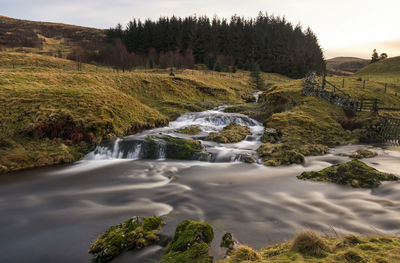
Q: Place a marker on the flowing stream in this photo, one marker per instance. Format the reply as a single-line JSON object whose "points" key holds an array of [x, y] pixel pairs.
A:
{"points": [[53, 214]]}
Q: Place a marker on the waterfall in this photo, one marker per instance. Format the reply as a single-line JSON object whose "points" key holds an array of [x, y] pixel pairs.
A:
{"points": [[139, 146]]}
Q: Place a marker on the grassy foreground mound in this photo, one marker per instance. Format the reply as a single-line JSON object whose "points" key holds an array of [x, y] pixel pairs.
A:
{"points": [[311, 248], [354, 173], [231, 133], [56, 114], [190, 243], [133, 234]]}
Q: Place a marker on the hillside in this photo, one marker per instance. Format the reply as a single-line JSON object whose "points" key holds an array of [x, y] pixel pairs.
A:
{"points": [[384, 71], [344, 66], [389, 65], [45, 38], [51, 113]]}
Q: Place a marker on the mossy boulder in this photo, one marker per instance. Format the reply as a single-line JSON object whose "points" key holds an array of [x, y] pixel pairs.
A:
{"points": [[313, 149], [190, 130], [133, 234], [190, 243], [230, 134], [270, 135], [354, 173], [364, 153], [227, 241], [279, 154], [175, 148], [183, 149]]}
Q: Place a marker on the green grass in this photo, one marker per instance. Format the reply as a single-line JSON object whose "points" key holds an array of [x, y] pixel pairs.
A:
{"points": [[311, 248], [51, 112]]}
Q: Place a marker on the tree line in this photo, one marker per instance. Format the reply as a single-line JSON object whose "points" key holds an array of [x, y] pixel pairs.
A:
{"points": [[271, 42]]}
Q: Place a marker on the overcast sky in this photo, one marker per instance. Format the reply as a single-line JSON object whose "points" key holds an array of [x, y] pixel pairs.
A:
{"points": [[344, 27]]}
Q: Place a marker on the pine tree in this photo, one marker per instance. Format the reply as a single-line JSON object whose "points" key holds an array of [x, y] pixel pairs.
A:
{"points": [[255, 77]]}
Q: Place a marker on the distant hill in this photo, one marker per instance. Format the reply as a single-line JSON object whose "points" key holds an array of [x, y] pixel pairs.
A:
{"points": [[345, 66], [386, 66], [47, 38]]}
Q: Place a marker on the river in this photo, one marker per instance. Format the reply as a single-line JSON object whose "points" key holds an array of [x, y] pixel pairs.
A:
{"points": [[53, 214]]}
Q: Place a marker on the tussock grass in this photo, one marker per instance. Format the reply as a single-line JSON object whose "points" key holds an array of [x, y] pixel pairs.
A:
{"points": [[309, 247]]}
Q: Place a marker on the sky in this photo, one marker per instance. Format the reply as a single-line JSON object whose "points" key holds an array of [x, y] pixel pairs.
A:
{"points": [[344, 27]]}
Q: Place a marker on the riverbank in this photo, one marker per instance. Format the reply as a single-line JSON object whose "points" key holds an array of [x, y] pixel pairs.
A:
{"points": [[52, 113]]}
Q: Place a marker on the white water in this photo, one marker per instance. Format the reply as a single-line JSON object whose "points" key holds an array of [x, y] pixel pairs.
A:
{"points": [[132, 147]]}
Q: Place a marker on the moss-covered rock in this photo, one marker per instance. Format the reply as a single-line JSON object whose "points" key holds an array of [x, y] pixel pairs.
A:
{"points": [[364, 153], [249, 159], [270, 135], [354, 173], [279, 154], [230, 134], [190, 243], [174, 147], [134, 233], [227, 241], [183, 149], [190, 130], [313, 149]]}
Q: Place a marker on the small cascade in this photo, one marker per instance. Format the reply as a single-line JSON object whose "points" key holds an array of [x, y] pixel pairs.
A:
{"points": [[135, 154], [257, 95], [161, 151], [139, 146]]}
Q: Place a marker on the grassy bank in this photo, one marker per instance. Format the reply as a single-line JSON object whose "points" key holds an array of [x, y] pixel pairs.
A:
{"points": [[308, 124], [51, 113], [310, 247]]}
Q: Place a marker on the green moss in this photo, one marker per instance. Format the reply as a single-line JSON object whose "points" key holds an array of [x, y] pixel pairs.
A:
{"points": [[354, 173], [134, 233], [364, 153], [227, 241], [279, 154], [249, 159], [190, 243], [191, 130], [179, 148], [270, 136], [313, 149], [230, 134]]}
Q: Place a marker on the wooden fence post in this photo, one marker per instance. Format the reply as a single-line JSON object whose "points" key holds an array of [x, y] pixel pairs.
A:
{"points": [[343, 84], [385, 87], [363, 84]]}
